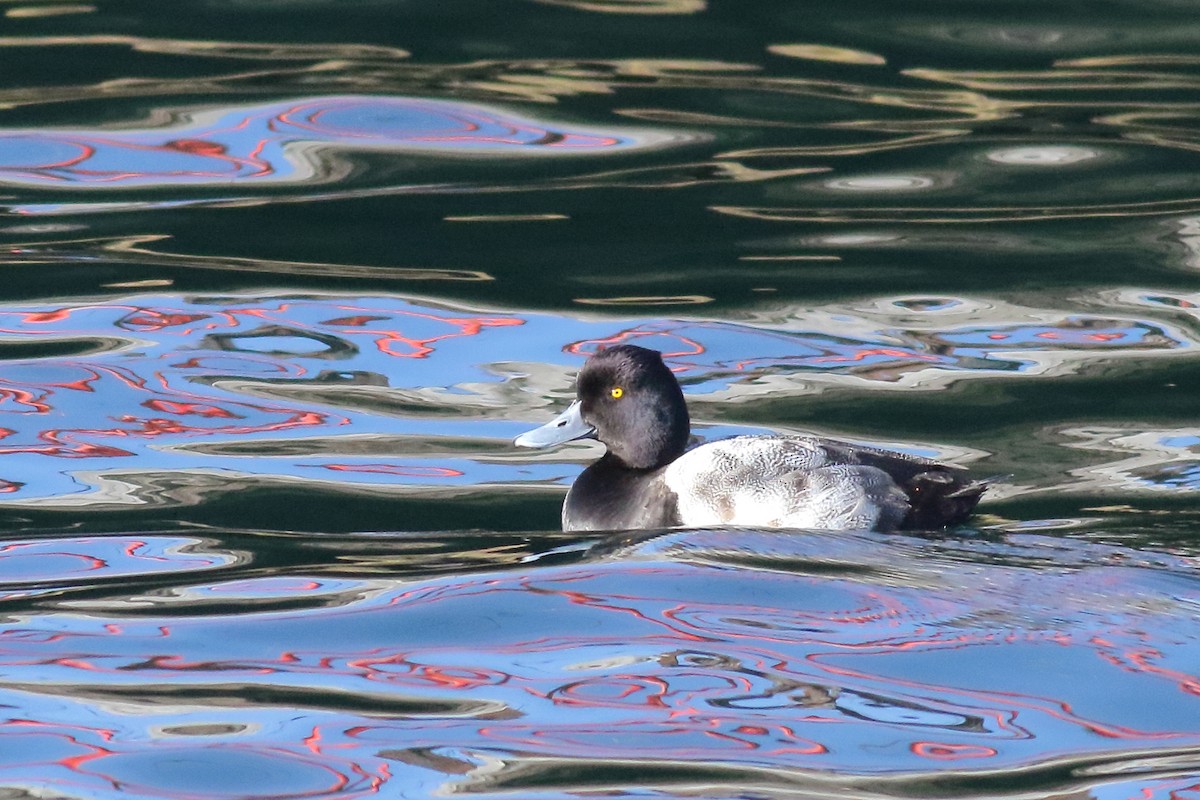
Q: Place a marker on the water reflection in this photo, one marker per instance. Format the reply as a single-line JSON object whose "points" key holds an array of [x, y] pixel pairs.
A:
{"points": [[731, 655], [146, 250], [1039, 156], [288, 142], [882, 183], [1163, 460], [944, 230], [190, 396], [90, 560], [849, 113], [638, 7], [55, 10], [819, 52]]}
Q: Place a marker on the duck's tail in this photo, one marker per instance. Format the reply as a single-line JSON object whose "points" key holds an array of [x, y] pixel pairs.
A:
{"points": [[940, 498]]}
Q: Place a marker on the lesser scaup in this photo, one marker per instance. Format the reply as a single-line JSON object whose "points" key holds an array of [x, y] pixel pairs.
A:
{"points": [[629, 400]]}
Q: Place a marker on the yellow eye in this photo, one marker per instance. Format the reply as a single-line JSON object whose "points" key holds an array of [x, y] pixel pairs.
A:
{"points": [[617, 393]]}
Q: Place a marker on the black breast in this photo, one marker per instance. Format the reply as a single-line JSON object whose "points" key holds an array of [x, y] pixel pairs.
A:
{"points": [[608, 496]]}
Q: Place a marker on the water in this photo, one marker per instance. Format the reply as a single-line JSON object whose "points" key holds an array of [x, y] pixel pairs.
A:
{"points": [[283, 280]]}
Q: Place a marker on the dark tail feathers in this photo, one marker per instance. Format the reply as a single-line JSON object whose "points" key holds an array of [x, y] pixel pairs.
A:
{"points": [[940, 498]]}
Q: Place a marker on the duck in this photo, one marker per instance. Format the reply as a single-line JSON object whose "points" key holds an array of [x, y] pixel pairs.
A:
{"points": [[648, 478]]}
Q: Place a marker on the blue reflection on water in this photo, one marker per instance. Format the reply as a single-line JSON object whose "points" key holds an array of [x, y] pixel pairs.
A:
{"points": [[282, 142], [285, 386], [851, 655]]}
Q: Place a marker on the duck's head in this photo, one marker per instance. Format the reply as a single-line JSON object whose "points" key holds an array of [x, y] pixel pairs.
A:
{"points": [[628, 399]]}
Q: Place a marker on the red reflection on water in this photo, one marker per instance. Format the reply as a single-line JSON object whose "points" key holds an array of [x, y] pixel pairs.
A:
{"points": [[273, 142], [261, 370], [942, 751], [36, 402], [465, 123], [405, 470], [685, 345], [407, 669], [176, 663], [779, 739], [1002, 707], [388, 340], [593, 662], [61, 446], [616, 691], [1012, 703], [1136, 659], [39, 550], [636, 738], [44, 317], [184, 412], [873, 352], [677, 348], [358, 321], [83, 561], [151, 321], [200, 409], [68, 737], [147, 320], [612, 603], [134, 546], [67, 443]]}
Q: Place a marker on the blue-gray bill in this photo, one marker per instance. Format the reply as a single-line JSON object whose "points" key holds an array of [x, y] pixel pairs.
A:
{"points": [[567, 426]]}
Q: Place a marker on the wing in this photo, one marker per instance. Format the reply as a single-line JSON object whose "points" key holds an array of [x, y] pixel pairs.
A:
{"points": [[938, 494], [783, 482]]}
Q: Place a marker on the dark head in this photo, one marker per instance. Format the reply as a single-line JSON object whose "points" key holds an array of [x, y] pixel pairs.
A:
{"points": [[630, 401], [635, 404]]}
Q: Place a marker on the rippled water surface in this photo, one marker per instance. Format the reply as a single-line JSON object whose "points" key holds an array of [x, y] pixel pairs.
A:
{"points": [[282, 280]]}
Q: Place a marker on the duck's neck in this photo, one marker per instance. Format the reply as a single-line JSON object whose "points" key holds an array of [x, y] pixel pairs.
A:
{"points": [[610, 462]]}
